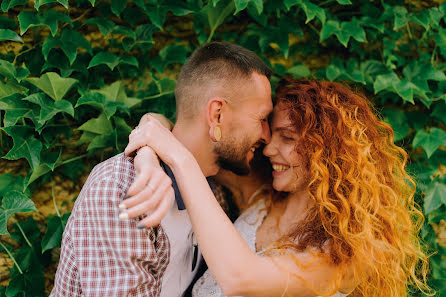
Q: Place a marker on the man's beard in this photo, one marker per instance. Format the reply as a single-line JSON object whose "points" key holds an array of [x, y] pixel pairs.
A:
{"points": [[232, 155]]}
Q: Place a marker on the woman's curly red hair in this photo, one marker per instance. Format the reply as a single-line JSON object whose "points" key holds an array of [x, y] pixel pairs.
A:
{"points": [[365, 216]]}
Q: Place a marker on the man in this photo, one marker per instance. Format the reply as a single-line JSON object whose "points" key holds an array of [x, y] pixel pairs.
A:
{"points": [[223, 100]]}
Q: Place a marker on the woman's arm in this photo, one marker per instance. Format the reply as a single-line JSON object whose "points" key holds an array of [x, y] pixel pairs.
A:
{"points": [[151, 185], [236, 268]]}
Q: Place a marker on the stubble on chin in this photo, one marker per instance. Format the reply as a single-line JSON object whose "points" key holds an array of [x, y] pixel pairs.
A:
{"points": [[232, 156]]}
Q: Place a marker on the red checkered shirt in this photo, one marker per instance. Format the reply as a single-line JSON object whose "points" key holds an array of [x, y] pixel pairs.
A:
{"points": [[102, 255]]}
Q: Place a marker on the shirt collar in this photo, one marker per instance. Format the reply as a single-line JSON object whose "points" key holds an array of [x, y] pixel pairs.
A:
{"points": [[178, 198]]}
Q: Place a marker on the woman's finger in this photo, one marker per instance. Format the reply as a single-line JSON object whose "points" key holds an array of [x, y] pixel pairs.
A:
{"points": [[135, 142], [143, 176], [164, 206], [151, 205], [157, 181]]}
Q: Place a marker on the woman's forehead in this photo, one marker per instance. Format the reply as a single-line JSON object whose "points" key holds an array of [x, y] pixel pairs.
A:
{"points": [[280, 117]]}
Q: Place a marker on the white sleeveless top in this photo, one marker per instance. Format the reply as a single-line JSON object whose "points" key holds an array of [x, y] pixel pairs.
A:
{"points": [[247, 225]]}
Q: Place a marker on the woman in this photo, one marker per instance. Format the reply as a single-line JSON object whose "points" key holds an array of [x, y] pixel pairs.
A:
{"points": [[342, 219]]}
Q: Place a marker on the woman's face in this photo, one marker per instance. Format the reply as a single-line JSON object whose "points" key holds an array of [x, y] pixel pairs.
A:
{"points": [[290, 172]]}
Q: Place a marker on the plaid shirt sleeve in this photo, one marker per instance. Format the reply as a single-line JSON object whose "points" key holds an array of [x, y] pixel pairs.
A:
{"points": [[102, 255]]}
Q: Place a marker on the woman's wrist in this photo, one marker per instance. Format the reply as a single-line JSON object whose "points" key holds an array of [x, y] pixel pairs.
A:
{"points": [[183, 160]]}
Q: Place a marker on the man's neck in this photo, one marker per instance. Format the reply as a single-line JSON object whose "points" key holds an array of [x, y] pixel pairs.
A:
{"points": [[194, 137], [242, 187]]}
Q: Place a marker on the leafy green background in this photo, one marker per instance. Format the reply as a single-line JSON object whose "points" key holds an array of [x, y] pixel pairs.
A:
{"points": [[76, 75]]}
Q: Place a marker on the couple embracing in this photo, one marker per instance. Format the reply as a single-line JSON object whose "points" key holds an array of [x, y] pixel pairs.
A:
{"points": [[336, 217]]}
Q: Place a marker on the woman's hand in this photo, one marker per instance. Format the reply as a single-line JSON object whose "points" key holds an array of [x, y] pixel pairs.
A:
{"points": [[151, 192], [154, 134]]}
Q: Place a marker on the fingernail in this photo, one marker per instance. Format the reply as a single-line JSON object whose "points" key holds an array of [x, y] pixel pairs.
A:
{"points": [[140, 226], [122, 206], [123, 216]]}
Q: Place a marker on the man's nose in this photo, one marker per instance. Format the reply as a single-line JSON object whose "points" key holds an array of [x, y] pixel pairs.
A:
{"points": [[266, 133]]}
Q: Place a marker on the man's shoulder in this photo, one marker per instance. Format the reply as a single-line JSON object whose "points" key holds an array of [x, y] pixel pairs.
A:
{"points": [[108, 181], [118, 168]]}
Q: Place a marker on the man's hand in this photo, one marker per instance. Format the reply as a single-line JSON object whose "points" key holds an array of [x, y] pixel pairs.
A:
{"points": [[151, 192]]}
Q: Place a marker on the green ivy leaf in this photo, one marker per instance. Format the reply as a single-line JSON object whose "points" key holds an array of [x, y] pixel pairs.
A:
{"points": [[435, 197], [329, 28], [99, 101], [54, 230], [21, 73], [12, 203], [439, 112], [111, 60], [215, 15], [53, 85], [117, 6], [7, 69], [99, 125], [48, 162], [343, 31], [417, 71], [399, 122], [404, 88], [182, 8], [70, 41], [421, 18], [16, 109], [337, 71], [116, 93], [370, 69], [6, 34], [107, 58], [105, 25], [430, 141], [242, 4], [8, 4], [9, 182], [92, 2], [142, 37], [299, 71], [344, 2], [400, 17], [9, 88], [104, 141], [170, 54], [49, 18], [157, 15], [49, 108], [142, 33], [25, 145], [311, 11], [440, 41], [435, 16], [39, 3], [353, 29]]}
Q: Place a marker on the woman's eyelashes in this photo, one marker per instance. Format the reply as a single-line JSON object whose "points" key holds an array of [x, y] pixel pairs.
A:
{"points": [[287, 138]]}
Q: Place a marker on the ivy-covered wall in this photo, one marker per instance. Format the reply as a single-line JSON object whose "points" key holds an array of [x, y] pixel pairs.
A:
{"points": [[76, 75]]}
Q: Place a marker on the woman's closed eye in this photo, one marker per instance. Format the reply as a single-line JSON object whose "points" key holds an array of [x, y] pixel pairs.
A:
{"points": [[287, 138]]}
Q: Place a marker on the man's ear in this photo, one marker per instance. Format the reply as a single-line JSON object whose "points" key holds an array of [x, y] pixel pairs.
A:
{"points": [[214, 117]]}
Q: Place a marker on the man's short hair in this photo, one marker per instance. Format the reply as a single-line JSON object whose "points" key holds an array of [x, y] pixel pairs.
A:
{"points": [[214, 69]]}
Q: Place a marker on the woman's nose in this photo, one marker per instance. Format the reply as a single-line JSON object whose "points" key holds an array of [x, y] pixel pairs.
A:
{"points": [[269, 149]]}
